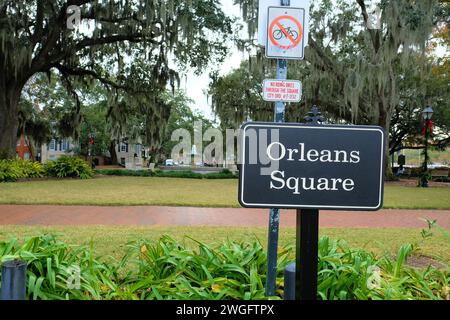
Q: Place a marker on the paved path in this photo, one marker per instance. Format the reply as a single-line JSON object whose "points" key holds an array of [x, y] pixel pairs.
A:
{"points": [[181, 216]]}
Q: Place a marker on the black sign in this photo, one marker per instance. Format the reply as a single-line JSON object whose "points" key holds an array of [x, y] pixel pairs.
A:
{"points": [[312, 166]]}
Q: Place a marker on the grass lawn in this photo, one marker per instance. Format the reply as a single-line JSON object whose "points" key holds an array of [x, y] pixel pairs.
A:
{"points": [[123, 191], [111, 241]]}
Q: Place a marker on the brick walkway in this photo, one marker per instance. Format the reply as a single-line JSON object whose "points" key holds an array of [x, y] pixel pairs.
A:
{"points": [[181, 216]]}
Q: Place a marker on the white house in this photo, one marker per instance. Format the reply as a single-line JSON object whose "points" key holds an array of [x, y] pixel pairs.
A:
{"points": [[130, 155], [56, 148]]}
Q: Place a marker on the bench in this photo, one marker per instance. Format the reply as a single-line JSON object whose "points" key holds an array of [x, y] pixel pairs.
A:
{"points": [[440, 173]]}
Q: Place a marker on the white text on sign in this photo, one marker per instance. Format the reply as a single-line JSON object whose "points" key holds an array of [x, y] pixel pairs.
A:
{"points": [[282, 90]]}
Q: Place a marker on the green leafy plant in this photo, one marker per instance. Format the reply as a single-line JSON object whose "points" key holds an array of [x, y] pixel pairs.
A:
{"points": [[9, 172], [12, 170], [69, 167], [167, 269], [31, 169]]}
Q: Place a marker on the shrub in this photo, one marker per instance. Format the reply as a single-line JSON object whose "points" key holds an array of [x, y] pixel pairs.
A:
{"points": [[31, 169], [69, 167], [126, 173], [167, 269], [12, 170]]}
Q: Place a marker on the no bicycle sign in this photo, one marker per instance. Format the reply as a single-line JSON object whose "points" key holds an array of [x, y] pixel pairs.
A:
{"points": [[286, 33]]}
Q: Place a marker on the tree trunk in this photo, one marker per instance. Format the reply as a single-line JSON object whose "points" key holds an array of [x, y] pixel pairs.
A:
{"points": [[112, 151], [9, 122], [31, 148], [384, 121]]}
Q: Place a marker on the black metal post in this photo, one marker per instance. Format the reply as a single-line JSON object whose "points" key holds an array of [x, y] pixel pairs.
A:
{"points": [[424, 178], [307, 240], [289, 282], [14, 280], [307, 254]]}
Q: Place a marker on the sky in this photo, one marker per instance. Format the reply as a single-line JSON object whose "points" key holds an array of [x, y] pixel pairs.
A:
{"points": [[195, 86]]}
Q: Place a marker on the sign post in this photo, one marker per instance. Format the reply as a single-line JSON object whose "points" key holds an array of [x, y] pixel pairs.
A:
{"points": [[307, 241], [274, 215]]}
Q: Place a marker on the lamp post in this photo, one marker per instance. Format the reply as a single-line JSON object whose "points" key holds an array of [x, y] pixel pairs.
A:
{"points": [[427, 114]]}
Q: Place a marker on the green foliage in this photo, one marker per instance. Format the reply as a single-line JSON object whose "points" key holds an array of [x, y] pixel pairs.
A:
{"points": [[68, 167], [94, 124], [9, 172], [51, 263], [166, 269], [224, 174], [31, 169], [12, 170]]}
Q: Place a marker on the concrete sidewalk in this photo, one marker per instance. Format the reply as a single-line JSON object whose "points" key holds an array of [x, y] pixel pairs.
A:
{"points": [[186, 216]]}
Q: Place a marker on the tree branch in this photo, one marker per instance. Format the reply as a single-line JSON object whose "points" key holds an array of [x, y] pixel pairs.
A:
{"points": [[39, 23], [373, 33], [84, 72], [80, 72]]}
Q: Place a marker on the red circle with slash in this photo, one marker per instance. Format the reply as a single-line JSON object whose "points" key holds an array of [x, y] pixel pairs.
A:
{"points": [[277, 23]]}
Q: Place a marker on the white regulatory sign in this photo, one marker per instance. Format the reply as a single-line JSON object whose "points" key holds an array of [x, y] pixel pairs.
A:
{"points": [[285, 38], [282, 90]]}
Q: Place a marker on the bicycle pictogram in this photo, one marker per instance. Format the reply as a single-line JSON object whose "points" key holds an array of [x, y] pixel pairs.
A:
{"points": [[283, 32]]}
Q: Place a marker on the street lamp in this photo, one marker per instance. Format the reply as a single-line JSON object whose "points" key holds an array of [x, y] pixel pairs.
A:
{"points": [[427, 114]]}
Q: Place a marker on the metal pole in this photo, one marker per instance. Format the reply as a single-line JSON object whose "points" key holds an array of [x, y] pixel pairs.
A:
{"points": [[274, 215], [301, 283], [423, 180], [289, 282], [14, 279], [307, 254]]}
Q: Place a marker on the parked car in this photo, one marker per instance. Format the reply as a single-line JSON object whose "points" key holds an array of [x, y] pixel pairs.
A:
{"points": [[170, 163]]}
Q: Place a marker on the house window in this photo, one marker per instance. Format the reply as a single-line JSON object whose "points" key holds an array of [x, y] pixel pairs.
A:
{"points": [[63, 145], [26, 156], [52, 146], [124, 147]]}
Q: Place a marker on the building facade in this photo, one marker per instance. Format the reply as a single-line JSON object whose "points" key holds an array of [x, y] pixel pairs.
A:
{"points": [[56, 148]]}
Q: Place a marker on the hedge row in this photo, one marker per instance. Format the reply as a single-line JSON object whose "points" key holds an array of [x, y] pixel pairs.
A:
{"points": [[224, 174]]}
